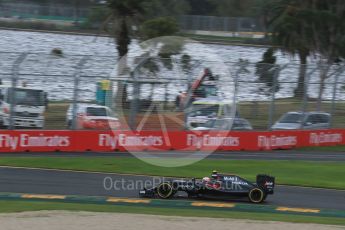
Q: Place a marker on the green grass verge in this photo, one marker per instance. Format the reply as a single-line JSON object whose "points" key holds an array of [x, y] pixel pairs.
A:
{"points": [[21, 206], [338, 148], [302, 173]]}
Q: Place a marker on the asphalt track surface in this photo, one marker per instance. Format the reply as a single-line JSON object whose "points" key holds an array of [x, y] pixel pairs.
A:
{"points": [[272, 155], [20, 180]]}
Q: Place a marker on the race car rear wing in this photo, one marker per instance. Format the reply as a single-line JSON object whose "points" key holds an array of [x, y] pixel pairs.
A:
{"points": [[266, 182]]}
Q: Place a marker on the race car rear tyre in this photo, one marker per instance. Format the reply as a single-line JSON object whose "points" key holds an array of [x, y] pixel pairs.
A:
{"points": [[165, 190], [256, 195]]}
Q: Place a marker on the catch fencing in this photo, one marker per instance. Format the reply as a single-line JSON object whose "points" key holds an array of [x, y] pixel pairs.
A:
{"points": [[146, 95], [225, 24], [43, 11]]}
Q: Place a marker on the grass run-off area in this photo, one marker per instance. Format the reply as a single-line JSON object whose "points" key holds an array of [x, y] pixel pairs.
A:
{"points": [[338, 148], [301, 173], [21, 206]]}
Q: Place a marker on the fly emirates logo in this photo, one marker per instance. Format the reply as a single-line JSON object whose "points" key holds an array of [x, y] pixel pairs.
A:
{"points": [[268, 142], [320, 138], [107, 140], [211, 141], [25, 140]]}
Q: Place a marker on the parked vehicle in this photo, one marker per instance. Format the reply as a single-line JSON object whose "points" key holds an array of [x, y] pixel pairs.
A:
{"points": [[92, 116], [303, 120], [28, 106], [207, 109], [226, 124]]}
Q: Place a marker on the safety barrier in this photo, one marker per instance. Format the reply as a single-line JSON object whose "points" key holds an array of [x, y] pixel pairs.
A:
{"points": [[99, 141]]}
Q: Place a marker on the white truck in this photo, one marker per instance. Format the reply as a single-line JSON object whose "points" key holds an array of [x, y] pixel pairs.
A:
{"points": [[28, 107], [209, 108]]}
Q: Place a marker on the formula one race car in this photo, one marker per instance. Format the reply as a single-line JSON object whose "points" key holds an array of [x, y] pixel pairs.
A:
{"points": [[219, 186]]}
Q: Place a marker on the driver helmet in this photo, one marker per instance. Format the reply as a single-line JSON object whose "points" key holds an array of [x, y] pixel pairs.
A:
{"points": [[206, 179], [214, 174]]}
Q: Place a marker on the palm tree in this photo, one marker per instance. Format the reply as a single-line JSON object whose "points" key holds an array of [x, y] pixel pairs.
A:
{"points": [[266, 71], [288, 31], [312, 26], [123, 14], [327, 27]]}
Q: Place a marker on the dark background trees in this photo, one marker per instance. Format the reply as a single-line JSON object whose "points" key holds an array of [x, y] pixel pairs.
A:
{"points": [[288, 32], [311, 27], [308, 28]]}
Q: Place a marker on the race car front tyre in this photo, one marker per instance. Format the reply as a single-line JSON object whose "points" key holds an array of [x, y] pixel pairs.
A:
{"points": [[165, 190], [256, 195]]}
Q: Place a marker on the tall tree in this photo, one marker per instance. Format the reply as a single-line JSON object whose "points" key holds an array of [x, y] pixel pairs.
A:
{"points": [[266, 71], [325, 21], [123, 14], [159, 28], [312, 26], [288, 31]]}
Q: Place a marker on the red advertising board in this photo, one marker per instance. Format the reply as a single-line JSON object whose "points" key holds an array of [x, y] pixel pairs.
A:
{"points": [[99, 141], [37, 141]]}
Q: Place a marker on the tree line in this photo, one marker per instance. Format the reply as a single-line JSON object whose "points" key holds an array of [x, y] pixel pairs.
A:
{"points": [[227, 8], [311, 28], [308, 28]]}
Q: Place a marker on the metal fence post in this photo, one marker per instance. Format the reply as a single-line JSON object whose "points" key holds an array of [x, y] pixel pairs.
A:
{"points": [[14, 81], [242, 68], [76, 90], [238, 25], [306, 88], [234, 99], [272, 104], [135, 101], [136, 94], [334, 94], [189, 96], [225, 24]]}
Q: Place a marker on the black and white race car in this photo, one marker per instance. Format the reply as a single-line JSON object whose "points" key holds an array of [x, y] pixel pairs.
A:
{"points": [[218, 186]]}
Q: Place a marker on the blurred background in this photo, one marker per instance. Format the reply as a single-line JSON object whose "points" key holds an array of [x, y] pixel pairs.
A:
{"points": [[268, 63]]}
